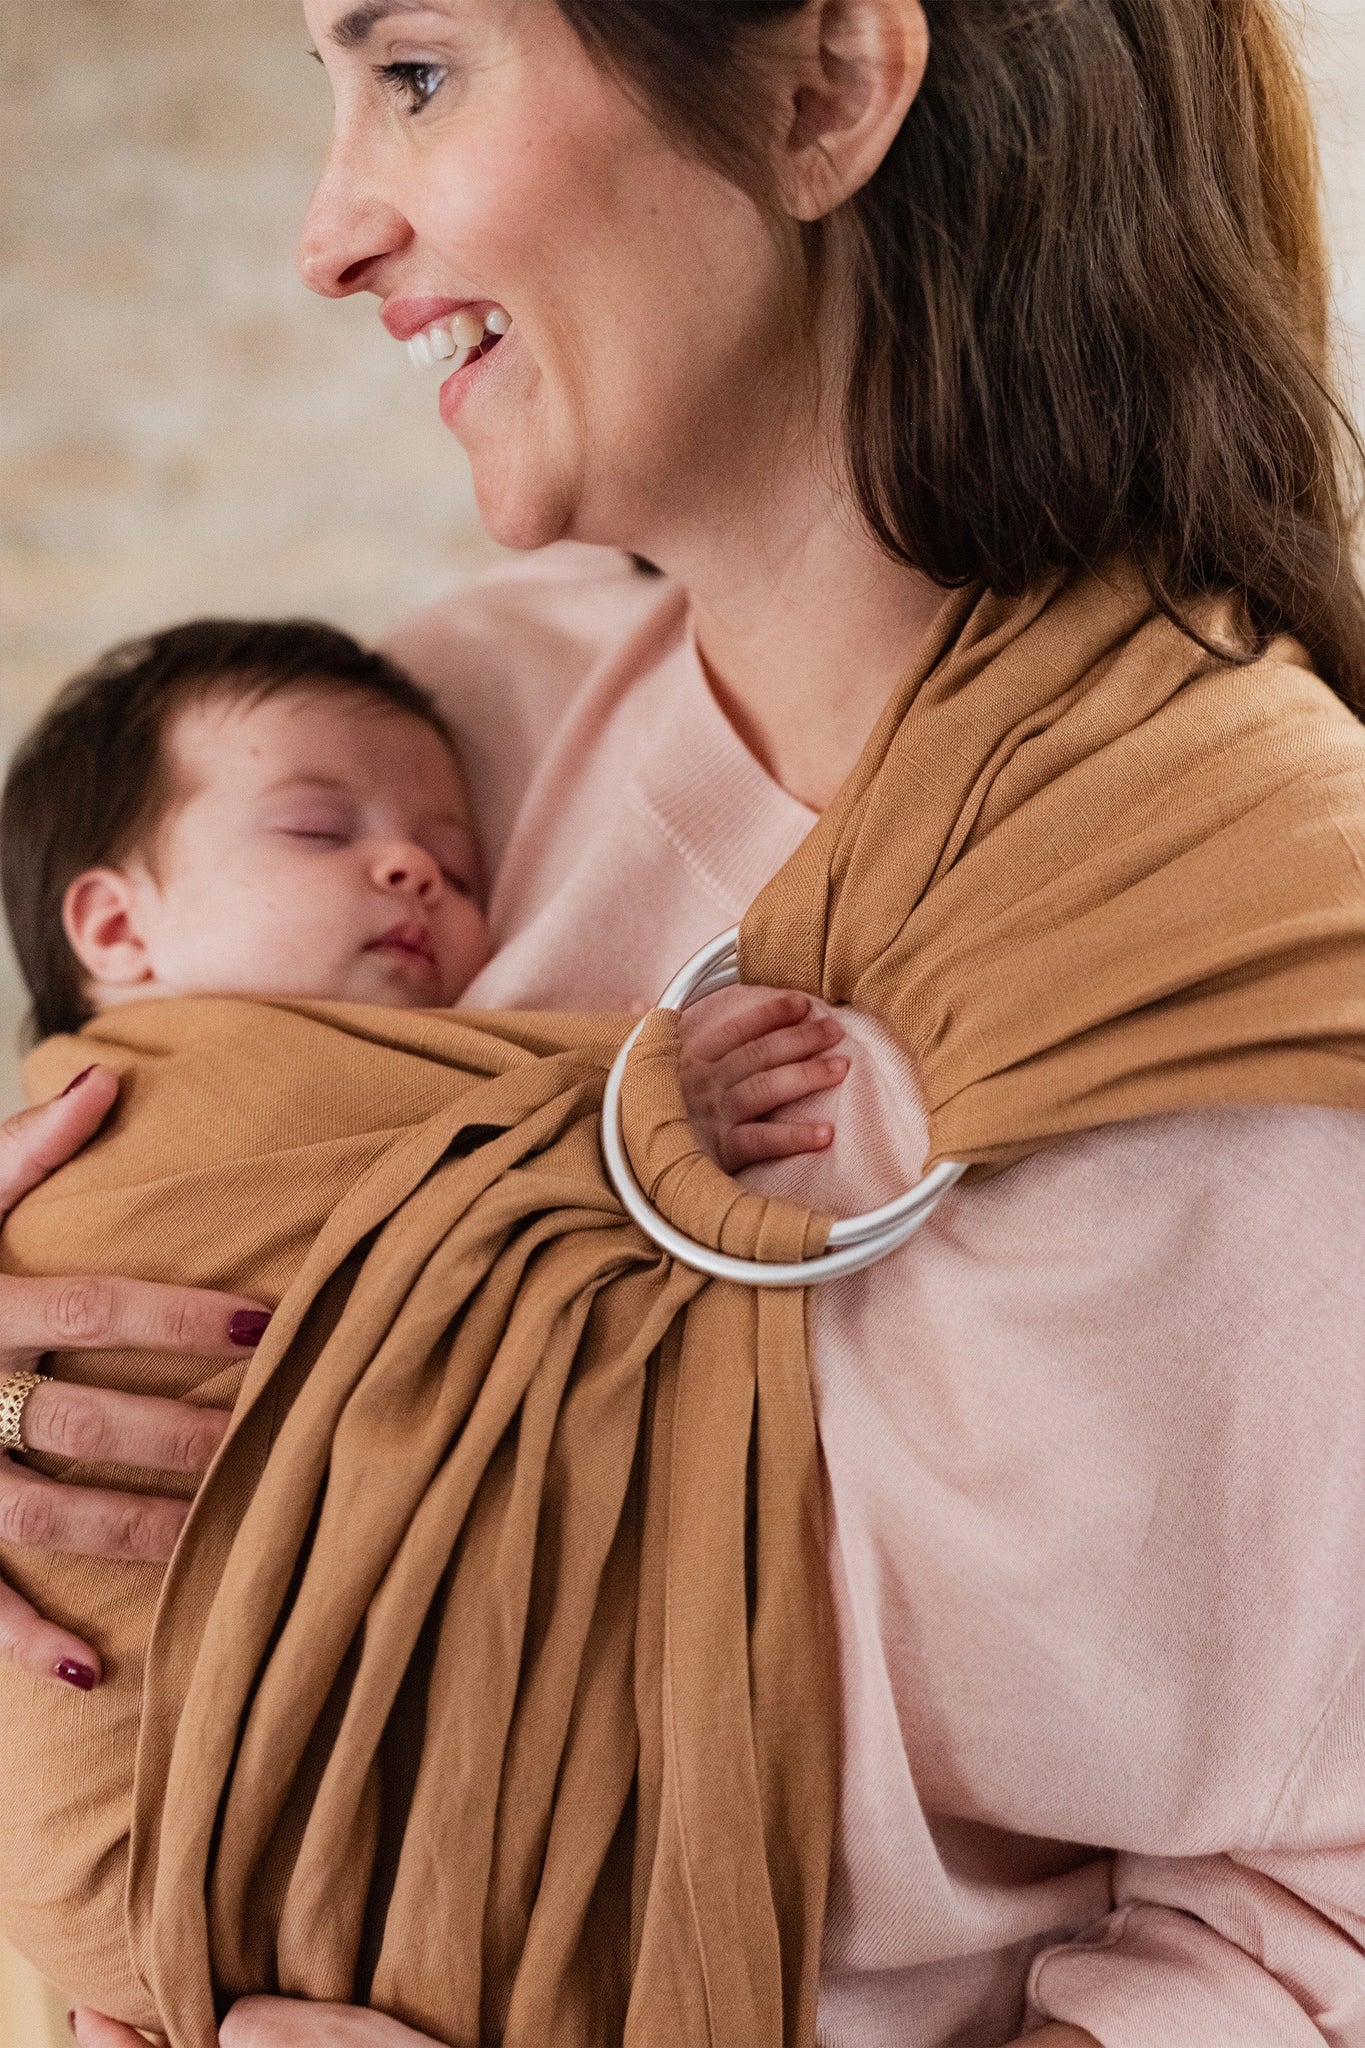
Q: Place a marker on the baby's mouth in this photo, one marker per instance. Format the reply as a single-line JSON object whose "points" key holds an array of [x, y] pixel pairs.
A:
{"points": [[453, 342], [406, 941]]}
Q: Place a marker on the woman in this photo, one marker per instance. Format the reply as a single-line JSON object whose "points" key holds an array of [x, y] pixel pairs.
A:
{"points": [[822, 307]]}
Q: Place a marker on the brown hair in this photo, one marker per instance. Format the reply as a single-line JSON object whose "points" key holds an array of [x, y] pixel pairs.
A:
{"points": [[1091, 297], [91, 782]]}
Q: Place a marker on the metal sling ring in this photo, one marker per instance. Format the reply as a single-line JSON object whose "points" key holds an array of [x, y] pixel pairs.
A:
{"points": [[854, 1241]]}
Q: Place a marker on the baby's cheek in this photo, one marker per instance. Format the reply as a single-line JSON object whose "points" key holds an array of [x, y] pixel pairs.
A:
{"points": [[299, 938], [465, 948]]}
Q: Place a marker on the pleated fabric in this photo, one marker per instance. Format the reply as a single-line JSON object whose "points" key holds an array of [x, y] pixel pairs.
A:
{"points": [[491, 1681]]}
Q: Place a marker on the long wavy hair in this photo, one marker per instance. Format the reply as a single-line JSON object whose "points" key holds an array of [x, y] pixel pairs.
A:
{"points": [[1091, 288]]}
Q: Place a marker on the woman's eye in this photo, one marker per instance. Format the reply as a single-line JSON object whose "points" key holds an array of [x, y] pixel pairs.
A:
{"points": [[417, 84]]}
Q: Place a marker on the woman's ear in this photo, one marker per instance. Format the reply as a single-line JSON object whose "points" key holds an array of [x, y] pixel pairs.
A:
{"points": [[853, 69], [100, 918]]}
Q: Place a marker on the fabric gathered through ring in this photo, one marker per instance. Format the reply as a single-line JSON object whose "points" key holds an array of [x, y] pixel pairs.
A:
{"points": [[14, 1396], [854, 1241]]}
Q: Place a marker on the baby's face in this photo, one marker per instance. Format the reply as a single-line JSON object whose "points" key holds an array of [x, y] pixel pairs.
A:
{"points": [[322, 848]]}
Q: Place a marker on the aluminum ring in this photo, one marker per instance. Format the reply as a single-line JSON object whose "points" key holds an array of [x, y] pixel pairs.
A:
{"points": [[854, 1241]]}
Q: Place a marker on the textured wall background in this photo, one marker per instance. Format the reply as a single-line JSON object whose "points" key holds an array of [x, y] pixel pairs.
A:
{"points": [[185, 429]]}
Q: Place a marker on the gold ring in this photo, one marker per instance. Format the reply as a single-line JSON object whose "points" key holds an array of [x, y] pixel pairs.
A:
{"points": [[13, 1400]]}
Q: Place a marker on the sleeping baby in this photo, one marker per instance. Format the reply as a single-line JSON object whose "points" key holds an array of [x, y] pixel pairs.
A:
{"points": [[269, 809], [262, 811]]}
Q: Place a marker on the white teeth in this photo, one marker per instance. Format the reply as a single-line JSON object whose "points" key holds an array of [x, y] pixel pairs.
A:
{"points": [[457, 340], [463, 356]]}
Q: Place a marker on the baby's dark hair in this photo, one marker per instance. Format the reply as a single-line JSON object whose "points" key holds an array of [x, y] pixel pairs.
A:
{"points": [[93, 779]]}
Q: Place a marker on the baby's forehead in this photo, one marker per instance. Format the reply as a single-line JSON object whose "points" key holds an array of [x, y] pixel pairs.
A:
{"points": [[315, 731]]}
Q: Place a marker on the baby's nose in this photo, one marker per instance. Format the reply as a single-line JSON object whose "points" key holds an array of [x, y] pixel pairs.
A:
{"points": [[408, 871]]}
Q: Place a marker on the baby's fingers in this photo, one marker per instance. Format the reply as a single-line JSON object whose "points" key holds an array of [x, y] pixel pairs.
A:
{"points": [[714, 1029], [774, 1087], [780, 1049], [751, 1144], [38, 1647]]}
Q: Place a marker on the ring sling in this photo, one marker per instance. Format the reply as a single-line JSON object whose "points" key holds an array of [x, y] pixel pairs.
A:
{"points": [[854, 1241]]}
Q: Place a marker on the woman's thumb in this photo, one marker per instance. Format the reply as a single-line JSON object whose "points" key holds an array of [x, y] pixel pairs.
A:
{"points": [[35, 1141]]}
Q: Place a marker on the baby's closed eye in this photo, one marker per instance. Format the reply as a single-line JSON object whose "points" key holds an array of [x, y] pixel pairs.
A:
{"points": [[322, 824]]}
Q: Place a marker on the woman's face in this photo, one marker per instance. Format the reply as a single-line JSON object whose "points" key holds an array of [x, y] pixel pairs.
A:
{"points": [[481, 160]]}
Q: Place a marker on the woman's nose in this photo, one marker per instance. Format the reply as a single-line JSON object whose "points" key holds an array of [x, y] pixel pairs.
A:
{"points": [[408, 871], [347, 233]]}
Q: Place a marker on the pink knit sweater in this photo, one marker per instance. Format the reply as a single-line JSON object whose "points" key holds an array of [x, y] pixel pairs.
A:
{"points": [[1095, 1439]]}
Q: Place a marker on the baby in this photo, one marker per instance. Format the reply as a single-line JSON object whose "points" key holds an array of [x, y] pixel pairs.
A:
{"points": [[269, 809], [228, 811]]}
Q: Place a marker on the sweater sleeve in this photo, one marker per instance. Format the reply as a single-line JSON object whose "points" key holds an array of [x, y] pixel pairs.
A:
{"points": [[1259, 1948], [1096, 1455]]}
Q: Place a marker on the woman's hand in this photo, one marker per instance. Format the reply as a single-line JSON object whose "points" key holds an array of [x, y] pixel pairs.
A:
{"points": [[291, 2023], [284, 2023], [272, 2023], [93, 2030], [89, 1423]]}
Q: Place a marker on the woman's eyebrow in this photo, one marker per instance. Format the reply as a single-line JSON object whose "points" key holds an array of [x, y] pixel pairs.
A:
{"points": [[354, 28]]}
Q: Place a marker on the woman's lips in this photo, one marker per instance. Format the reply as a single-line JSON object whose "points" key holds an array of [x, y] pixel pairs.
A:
{"points": [[450, 335], [406, 317], [407, 941], [457, 387]]}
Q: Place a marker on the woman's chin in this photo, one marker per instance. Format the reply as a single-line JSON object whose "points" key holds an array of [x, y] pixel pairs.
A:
{"points": [[517, 509], [520, 521]]}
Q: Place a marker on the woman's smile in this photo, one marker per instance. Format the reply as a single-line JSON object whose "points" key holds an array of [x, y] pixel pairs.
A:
{"points": [[436, 330], [453, 335]]}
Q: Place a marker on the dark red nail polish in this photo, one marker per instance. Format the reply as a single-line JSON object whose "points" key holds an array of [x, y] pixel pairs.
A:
{"points": [[72, 1086], [79, 1675], [248, 1327]]}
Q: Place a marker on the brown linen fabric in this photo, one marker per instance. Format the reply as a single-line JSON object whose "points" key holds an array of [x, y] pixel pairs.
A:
{"points": [[1086, 871], [464, 1542], [493, 1680]]}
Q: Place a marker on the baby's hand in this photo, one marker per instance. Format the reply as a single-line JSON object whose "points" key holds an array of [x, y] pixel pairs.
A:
{"points": [[739, 1066]]}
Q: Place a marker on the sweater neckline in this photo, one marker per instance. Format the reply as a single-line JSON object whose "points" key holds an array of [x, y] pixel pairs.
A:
{"points": [[721, 809]]}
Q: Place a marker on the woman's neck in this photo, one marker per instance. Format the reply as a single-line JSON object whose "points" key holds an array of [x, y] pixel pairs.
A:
{"points": [[805, 628]]}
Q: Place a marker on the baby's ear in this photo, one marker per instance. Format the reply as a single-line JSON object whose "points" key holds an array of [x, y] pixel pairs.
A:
{"points": [[99, 916]]}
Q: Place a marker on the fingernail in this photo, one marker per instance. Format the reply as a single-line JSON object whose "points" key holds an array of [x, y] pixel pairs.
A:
{"points": [[72, 1086], [79, 1675], [248, 1327]]}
